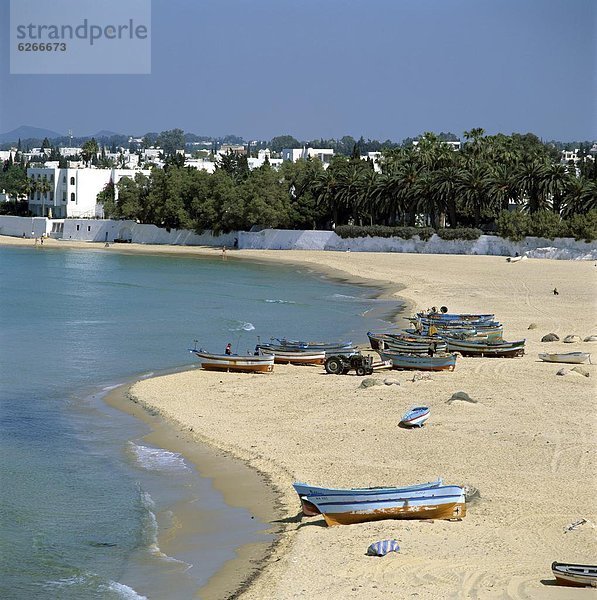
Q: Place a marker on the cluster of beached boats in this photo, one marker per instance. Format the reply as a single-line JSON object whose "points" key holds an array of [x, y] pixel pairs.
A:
{"points": [[433, 343], [435, 340]]}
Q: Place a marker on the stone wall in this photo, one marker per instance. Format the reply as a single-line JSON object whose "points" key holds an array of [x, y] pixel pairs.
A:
{"points": [[101, 230]]}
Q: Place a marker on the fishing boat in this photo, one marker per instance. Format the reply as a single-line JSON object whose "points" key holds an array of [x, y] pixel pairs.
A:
{"points": [[441, 502], [469, 347], [420, 362], [283, 343], [234, 363], [455, 316], [297, 357], [304, 491], [278, 348], [575, 358], [575, 575], [405, 342], [416, 417]]}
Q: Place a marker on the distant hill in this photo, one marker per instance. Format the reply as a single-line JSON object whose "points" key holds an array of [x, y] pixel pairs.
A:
{"points": [[104, 133], [26, 132]]}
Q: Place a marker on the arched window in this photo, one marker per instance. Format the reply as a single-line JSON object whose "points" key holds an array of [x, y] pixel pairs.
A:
{"points": [[72, 197], [72, 181]]}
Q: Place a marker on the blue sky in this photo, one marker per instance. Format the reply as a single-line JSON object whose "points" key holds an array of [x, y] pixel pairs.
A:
{"points": [[310, 68]]}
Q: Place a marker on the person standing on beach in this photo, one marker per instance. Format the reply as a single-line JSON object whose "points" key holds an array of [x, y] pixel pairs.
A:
{"points": [[223, 252]]}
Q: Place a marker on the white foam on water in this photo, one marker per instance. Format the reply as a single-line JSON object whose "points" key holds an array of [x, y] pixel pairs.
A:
{"points": [[124, 591], [157, 459], [111, 387], [270, 301], [151, 531], [147, 375], [240, 326]]}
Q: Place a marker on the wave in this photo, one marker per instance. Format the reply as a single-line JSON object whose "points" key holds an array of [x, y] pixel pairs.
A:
{"points": [[124, 591], [269, 301], [92, 580], [150, 530], [157, 459], [240, 326]]}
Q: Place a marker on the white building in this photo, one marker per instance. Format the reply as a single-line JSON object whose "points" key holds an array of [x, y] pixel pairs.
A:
{"points": [[72, 192], [323, 154], [454, 145]]}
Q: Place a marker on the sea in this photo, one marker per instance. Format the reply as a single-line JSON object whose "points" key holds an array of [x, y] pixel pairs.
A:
{"points": [[82, 496]]}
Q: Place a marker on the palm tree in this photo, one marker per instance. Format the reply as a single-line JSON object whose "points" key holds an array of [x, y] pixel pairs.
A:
{"points": [[473, 190], [580, 197], [531, 181], [502, 186], [556, 182], [447, 185], [44, 187]]}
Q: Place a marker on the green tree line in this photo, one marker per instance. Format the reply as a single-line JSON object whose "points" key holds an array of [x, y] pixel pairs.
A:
{"points": [[427, 184]]}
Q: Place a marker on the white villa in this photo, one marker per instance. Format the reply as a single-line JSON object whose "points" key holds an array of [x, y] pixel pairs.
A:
{"points": [[323, 154], [72, 192]]}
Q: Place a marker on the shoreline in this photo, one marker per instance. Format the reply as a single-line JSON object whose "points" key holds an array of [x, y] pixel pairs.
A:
{"points": [[208, 456], [298, 543], [224, 472]]}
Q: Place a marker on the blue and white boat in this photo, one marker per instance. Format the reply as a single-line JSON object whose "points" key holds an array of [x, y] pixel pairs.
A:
{"points": [[304, 491], [419, 362], [441, 502], [416, 417]]}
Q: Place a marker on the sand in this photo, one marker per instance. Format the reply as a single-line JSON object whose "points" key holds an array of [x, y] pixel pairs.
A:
{"points": [[528, 443]]}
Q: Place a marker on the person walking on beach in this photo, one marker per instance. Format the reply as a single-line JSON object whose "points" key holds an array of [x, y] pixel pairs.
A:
{"points": [[228, 350], [223, 252], [555, 292]]}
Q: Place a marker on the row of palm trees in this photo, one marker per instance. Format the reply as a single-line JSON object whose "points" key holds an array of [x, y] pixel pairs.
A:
{"points": [[430, 182]]}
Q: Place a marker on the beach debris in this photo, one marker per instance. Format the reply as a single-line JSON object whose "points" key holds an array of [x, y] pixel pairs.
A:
{"points": [[571, 339], [532, 326], [383, 547], [591, 338], [563, 371], [471, 493], [550, 337], [369, 382], [574, 525], [389, 381], [463, 396], [581, 370]]}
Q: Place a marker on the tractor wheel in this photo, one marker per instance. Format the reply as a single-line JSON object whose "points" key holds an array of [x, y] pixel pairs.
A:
{"points": [[361, 371], [334, 366]]}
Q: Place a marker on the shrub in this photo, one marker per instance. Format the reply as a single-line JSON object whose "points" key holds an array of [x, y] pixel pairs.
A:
{"points": [[545, 224], [582, 227], [512, 225], [459, 233], [405, 233]]}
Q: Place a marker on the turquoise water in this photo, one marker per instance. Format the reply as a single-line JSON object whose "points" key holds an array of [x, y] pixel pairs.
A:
{"points": [[81, 496]]}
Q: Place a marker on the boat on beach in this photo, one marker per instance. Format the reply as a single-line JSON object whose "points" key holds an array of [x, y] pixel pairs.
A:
{"points": [[441, 502], [420, 362], [486, 348], [283, 343], [294, 357], [405, 342], [416, 416], [304, 491], [234, 363], [575, 575], [575, 358]]}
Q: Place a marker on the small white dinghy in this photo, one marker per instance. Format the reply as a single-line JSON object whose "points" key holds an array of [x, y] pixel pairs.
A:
{"points": [[515, 258], [575, 358]]}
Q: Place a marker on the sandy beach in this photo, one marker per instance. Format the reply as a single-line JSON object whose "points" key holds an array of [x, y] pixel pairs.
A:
{"points": [[527, 443]]}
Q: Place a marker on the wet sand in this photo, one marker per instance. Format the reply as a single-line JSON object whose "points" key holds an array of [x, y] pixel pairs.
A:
{"points": [[528, 443]]}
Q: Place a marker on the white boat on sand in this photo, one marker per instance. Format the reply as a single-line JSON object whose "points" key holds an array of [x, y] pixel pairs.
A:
{"points": [[575, 358], [234, 363]]}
